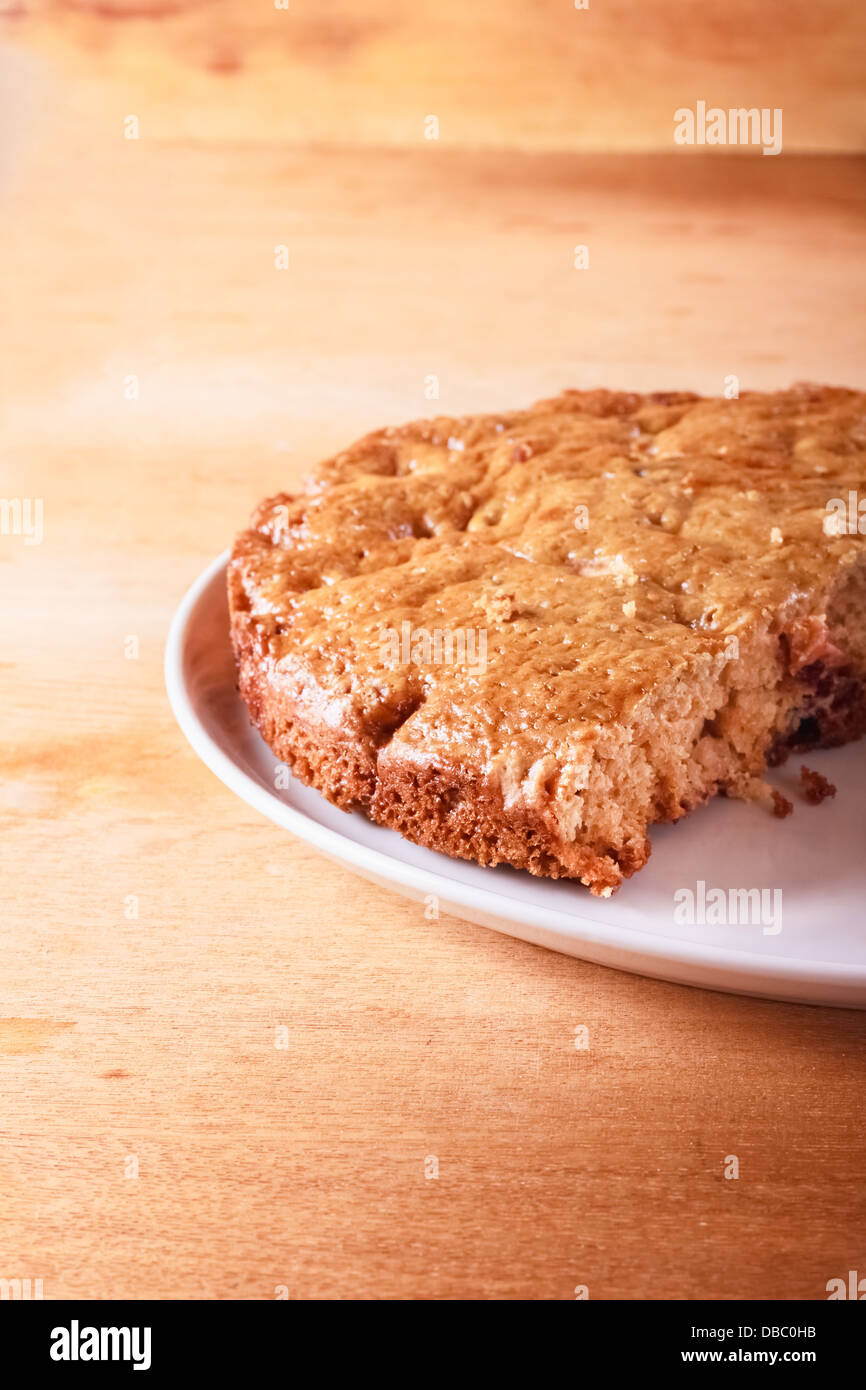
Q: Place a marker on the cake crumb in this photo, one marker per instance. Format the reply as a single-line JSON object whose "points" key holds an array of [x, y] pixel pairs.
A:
{"points": [[816, 787], [630, 608], [776, 536], [782, 807], [498, 606]]}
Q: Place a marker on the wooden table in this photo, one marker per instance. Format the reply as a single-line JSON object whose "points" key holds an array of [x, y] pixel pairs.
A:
{"points": [[159, 376]]}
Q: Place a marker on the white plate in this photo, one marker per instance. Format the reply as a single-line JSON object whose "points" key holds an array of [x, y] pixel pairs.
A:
{"points": [[814, 858]]}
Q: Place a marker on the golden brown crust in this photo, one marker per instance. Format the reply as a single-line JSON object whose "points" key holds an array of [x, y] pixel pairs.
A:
{"points": [[661, 601]]}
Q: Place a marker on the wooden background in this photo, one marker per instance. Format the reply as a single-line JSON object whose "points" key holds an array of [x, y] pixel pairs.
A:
{"points": [[506, 74], [152, 1038]]}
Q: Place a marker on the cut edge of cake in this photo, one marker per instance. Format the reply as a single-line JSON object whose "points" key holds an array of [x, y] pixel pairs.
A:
{"points": [[711, 726]]}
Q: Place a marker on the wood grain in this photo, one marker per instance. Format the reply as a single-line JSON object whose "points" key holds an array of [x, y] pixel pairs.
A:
{"points": [[154, 1036], [536, 75]]}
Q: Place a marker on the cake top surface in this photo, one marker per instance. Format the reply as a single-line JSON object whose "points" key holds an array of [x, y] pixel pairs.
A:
{"points": [[594, 546]]}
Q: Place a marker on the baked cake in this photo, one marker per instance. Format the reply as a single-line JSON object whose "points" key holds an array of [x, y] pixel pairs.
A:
{"points": [[524, 638]]}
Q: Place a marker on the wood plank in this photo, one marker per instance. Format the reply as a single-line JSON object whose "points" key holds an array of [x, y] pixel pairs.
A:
{"points": [[496, 73]]}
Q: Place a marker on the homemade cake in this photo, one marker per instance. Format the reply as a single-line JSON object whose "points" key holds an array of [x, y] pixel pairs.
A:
{"points": [[524, 638]]}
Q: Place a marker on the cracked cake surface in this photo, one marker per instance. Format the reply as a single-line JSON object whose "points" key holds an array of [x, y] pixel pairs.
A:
{"points": [[526, 637]]}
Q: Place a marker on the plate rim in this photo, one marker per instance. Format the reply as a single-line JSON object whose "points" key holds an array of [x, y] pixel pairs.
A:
{"points": [[788, 970]]}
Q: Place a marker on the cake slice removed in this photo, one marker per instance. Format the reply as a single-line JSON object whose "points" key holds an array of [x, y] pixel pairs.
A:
{"points": [[526, 638]]}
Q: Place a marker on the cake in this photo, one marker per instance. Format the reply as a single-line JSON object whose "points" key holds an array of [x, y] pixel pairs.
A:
{"points": [[524, 638]]}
